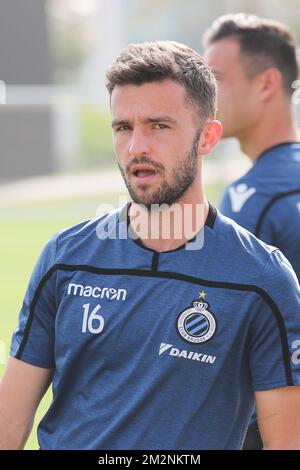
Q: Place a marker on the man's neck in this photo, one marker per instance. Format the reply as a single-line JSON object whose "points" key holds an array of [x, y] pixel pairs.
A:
{"points": [[269, 132], [168, 229]]}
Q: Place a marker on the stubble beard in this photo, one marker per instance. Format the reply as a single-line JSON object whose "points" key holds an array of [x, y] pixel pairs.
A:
{"points": [[169, 193]]}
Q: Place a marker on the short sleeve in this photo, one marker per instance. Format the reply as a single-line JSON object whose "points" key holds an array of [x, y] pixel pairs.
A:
{"points": [[274, 353], [33, 339]]}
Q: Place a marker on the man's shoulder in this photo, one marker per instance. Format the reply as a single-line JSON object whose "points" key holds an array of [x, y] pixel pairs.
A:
{"points": [[240, 250], [76, 241], [233, 233], [246, 199], [80, 229], [91, 226], [275, 172], [238, 194], [252, 261]]}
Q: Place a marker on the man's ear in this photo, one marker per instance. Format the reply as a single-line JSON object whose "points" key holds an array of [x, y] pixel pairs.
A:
{"points": [[269, 81], [210, 136]]}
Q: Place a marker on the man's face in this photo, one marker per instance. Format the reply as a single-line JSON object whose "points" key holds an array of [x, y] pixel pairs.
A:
{"points": [[238, 106], [155, 140]]}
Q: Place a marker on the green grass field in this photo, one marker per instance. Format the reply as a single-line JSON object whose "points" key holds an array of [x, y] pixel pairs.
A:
{"points": [[24, 230]]}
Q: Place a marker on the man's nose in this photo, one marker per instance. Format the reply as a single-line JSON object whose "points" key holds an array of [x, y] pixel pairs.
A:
{"points": [[139, 144]]}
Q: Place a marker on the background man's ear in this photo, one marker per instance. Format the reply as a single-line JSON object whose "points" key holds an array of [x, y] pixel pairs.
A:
{"points": [[269, 80]]}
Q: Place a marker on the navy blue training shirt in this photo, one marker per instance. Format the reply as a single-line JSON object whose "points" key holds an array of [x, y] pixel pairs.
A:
{"points": [[158, 350], [266, 200]]}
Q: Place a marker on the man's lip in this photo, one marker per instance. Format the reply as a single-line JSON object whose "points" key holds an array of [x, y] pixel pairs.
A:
{"points": [[143, 173], [143, 167]]}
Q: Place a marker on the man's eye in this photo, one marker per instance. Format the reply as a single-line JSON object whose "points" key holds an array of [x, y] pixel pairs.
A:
{"points": [[159, 125], [123, 128]]}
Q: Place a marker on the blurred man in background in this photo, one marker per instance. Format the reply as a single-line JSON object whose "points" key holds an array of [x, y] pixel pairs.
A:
{"points": [[254, 61]]}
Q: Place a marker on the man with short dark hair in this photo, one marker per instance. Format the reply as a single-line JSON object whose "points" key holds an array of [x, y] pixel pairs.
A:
{"points": [[157, 338], [254, 61]]}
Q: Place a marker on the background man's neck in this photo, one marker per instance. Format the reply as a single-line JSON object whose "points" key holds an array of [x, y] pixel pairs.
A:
{"points": [[270, 131]]}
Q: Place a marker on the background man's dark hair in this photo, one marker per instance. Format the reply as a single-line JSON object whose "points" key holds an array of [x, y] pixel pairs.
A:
{"points": [[162, 60], [265, 43]]}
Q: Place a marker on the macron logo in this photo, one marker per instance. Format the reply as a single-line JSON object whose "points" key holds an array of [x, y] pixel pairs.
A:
{"points": [[239, 196], [185, 354]]}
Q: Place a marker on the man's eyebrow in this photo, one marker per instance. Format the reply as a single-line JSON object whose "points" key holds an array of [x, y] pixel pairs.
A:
{"points": [[164, 118], [119, 122]]}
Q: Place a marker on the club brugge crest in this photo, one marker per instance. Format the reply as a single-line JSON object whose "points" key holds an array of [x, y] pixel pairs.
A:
{"points": [[196, 324]]}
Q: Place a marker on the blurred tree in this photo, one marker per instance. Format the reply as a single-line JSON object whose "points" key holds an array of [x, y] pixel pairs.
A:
{"points": [[70, 47]]}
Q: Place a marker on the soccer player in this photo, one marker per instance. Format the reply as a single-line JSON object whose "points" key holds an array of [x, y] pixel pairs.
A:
{"points": [[157, 341], [255, 64]]}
